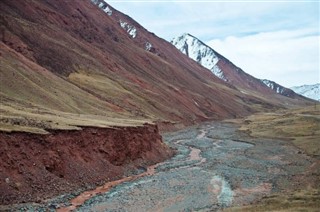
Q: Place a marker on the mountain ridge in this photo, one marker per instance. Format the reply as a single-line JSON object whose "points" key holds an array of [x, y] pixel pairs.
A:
{"points": [[81, 47], [278, 88], [224, 68]]}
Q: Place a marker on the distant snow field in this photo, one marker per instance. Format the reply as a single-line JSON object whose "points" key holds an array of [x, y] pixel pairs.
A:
{"points": [[310, 91]]}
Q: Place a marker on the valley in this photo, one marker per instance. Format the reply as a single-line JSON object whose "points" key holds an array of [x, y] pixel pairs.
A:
{"points": [[99, 114]]}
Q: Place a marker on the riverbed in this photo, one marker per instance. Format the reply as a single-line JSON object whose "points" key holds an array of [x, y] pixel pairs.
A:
{"points": [[215, 167]]}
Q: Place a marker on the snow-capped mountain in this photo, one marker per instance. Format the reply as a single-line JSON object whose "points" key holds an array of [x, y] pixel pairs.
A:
{"points": [[217, 64], [310, 91], [200, 52], [226, 70]]}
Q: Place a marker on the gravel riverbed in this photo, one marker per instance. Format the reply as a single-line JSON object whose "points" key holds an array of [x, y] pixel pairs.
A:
{"points": [[215, 167]]}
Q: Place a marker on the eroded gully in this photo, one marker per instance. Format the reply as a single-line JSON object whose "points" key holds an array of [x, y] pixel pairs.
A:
{"points": [[212, 170]]}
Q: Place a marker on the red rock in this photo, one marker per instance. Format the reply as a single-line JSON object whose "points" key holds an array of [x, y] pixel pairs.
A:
{"points": [[69, 160]]}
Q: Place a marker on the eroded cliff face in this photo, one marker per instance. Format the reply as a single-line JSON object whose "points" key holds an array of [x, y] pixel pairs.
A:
{"points": [[35, 167]]}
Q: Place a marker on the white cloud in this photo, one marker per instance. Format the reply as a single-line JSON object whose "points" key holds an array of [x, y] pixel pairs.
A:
{"points": [[287, 57]]}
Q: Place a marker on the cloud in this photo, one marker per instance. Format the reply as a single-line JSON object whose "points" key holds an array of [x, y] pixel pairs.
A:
{"points": [[289, 57]]}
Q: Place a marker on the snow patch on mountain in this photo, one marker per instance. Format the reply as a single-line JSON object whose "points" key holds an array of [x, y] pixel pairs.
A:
{"points": [[279, 89], [274, 86], [103, 5], [148, 46], [218, 72], [132, 31], [200, 52], [107, 10], [310, 91]]}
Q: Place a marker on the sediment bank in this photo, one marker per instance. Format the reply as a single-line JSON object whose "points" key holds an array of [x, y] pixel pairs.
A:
{"points": [[36, 167]]}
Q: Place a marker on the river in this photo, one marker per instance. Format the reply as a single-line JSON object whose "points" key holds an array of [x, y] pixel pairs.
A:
{"points": [[215, 167]]}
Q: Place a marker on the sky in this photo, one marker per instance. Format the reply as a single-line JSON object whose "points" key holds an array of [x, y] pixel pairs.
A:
{"points": [[275, 40]]}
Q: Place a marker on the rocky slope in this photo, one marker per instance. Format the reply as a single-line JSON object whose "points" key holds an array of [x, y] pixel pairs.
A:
{"points": [[310, 91]]}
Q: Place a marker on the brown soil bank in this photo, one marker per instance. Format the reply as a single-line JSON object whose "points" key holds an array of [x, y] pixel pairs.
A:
{"points": [[34, 167]]}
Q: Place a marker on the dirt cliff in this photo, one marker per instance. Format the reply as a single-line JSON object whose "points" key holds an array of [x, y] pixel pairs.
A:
{"points": [[35, 167]]}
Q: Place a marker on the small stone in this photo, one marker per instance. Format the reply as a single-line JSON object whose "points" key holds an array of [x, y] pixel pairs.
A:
{"points": [[38, 199], [17, 185], [7, 180], [53, 206]]}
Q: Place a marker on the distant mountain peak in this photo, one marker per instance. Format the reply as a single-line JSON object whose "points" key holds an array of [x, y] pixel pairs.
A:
{"points": [[310, 91], [223, 68], [200, 52]]}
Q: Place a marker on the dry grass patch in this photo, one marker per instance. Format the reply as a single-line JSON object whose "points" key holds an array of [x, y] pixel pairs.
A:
{"points": [[304, 200], [38, 120], [301, 126]]}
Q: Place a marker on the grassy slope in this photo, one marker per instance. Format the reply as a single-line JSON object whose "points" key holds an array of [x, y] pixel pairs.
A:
{"points": [[300, 127], [34, 99], [305, 200]]}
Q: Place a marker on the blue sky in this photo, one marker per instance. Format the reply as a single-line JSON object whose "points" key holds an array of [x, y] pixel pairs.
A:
{"points": [[276, 40]]}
